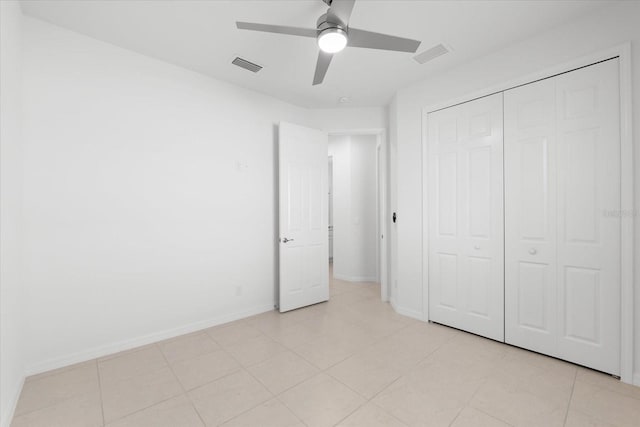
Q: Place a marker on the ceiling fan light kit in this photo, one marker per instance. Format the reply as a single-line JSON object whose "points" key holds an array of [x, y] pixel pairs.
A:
{"points": [[332, 40], [333, 34]]}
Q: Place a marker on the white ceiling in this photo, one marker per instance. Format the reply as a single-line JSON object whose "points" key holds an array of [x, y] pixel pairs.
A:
{"points": [[201, 36]]}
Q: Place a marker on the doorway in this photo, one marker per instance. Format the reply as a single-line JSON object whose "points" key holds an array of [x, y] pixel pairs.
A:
{"points": [[357, 207]]}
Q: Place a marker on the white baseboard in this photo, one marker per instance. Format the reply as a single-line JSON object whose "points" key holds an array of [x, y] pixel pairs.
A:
{"points": [[414, 314], [11, 409], [636, 379], [355, 278], [108, 349]]}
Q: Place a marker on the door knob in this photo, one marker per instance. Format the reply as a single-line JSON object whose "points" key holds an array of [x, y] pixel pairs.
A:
{"points": [[533, 251], [285, 240]]}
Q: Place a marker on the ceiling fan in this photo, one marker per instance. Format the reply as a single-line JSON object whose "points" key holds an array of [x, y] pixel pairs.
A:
{"points": [[334, 34]]}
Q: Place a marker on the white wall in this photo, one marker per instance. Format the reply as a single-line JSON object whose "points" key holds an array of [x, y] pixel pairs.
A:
{"points": [[363, 225], [354, 207], [149, 197], [148, 191], [393, 204], [340, 152], [11, 301], [605, 28], [340, 119]]}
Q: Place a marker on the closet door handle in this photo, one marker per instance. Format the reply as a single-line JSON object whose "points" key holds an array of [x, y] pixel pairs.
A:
{"points": [[533, 251]]}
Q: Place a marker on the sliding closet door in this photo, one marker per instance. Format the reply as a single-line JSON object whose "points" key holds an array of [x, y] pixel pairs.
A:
{"points": [[562, 204], [466, 217]]}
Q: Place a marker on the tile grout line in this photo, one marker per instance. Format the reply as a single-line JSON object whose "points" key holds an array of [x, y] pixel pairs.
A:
{"points": [[53, 405], [401, 374], [289, 409], [380, 392], [468, 404], [366, 399], [154, 404], [374, 342], [290, 387], [387, 412], [321, 371], [351, 413], [341, 383], [141, 409], [104, 422], [242, 368], [573, 386], [489, 415], [457, 415], [184, 390], [253, 407], [274, 396]]}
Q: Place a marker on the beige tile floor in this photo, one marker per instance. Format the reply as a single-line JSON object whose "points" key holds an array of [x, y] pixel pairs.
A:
{"points": [[350, 362]]}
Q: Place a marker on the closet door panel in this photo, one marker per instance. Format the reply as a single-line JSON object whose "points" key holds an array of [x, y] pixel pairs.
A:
{"points": [[444, 229], [532, 307], [465, 227], [480, 292], [479, 186], [588, 120], [447, 276], [530, 226], [447, 194], [562, 216]]}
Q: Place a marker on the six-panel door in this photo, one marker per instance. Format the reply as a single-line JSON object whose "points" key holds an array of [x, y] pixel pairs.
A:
{"points": [[304, 240], [530, 165], [466, 217], [562, 222], [588, 120]]}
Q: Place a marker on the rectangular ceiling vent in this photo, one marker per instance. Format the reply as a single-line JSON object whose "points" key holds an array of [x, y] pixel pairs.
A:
{"points": [[431, 54], [247, 65]]}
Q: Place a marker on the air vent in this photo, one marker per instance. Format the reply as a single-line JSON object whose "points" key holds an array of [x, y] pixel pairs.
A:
{"points": [[431, 54], [247, 65]]}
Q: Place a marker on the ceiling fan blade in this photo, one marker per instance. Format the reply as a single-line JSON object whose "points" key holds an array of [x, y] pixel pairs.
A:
{"points": [[371, 40], [279, 29], [340, 11], [324, 59]]}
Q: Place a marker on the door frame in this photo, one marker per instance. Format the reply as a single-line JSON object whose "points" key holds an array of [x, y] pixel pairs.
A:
{"points": [[623, 52], [330, 203], [382, 202]]}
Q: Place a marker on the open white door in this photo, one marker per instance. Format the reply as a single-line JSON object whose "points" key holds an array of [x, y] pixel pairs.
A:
{"points": [[304, 238]]}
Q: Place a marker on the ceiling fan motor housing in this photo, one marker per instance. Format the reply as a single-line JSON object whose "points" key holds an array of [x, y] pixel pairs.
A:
{"points": [[323, 24]]}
